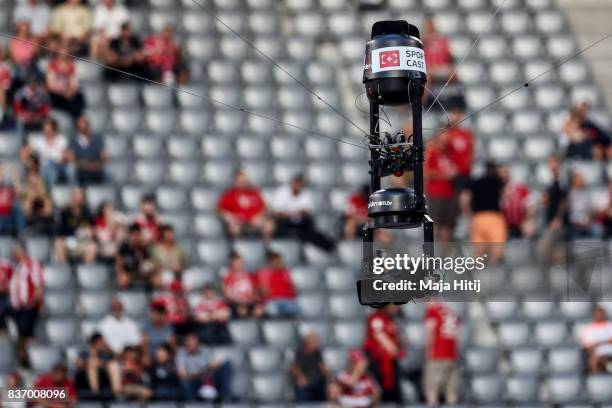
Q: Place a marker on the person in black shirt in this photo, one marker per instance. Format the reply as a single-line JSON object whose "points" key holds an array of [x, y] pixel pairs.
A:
{"points": [[163, 375], [309, 371], [554, 201], [97, 371], [74, 233], [133, 261], [125, 53]]}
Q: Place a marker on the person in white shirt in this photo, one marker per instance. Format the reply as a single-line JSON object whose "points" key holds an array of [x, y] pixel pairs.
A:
{"points": [[292, 209], [596, 339], [119, 331], [109, 17], [51, 151], [35, 12]]}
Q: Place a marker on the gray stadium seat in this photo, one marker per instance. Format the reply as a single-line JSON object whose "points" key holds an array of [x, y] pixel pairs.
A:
{"points": [[145, 146], [149, 172], [312, 304], [564, 360], [38, 247], [170, 198], [486, 388], [526, 361], [96, 195], [522, 388], [501, 310], [278, 333], [265, 359], [320, 327], [10, 143], [342, 305], [253, 252], [349, 333], [219, 173], [564, 388], [123, 95], [575, 310], [339, 278], [269, 387], [184, 172], [135, 303], [92, 276], [43, 357], [94, 304], [126, 121], [481, 360], [244, 332], [208, 225], [195, 277], [57, 277], [58, 304], [335, 358], [537, 310], [599, 388], [513, 334], [61, 332]]}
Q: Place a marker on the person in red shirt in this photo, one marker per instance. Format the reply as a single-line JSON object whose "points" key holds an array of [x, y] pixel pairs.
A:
{"points": [[441, 353], [31, 104], [177, 308], [276, 288], [57, 378], [243, 209], [516, 206], [356, 214], [240, 290], [438, 56], [63, 84], [6, 273], [384, 349], [440, 172], [211, 316], [148, 219], [164, 58], [355, 387], [461, 143]]}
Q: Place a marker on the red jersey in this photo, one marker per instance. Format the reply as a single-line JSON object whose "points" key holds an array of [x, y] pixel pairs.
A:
{"points": [[357, 206], [26, 281], [438, 160], [149, 227], [6, 76], [243, 203], [360, 394], [238, 287], [445, 333], [206, 307], [7, 197], [437, 51], [514, 204], [381, 322], [6, 272], [177, 309], [275, 284], [46, 381], [63, 70], [461, 153], [161, 53]]}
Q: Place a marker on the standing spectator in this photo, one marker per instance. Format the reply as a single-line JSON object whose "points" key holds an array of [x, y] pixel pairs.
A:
{"points": [[72, 21], [74, 235], [118, 330], [26, 294], [6, 273], [133, 375], [440, 173], [168, 258], [201, 375], [441, 352], [438, 55], [601, 141], [109, 230], [7, 121], [51, 151], [133, 261], [276, 288], [31, 104], [23, 50], [554, 201], [384, 350], [580, 207], [596, 338], [211, 316], [575, 140], [356, 214], [12, 220], [177, 309], [240, 290], [163, 375], [97, 371], [125, 53], [243, 209], [461, 144], [88, 154], [157, 332], [63, 84], [148, 219], [36, 13], [37, 206], [309, 372], [293, 206], [57, 378], [355, 387], [517, 206], [164, 58], [109, 17]]}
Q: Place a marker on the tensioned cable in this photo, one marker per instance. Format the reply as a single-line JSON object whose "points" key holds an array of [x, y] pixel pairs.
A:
{"points": [[278, 66], [186, 91]]}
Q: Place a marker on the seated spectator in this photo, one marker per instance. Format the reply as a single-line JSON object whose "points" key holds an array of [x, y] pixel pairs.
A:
{"points": [[243, 209], [577, 143], [63, 84], [88, 154], [293, 207], [356, 214], [163, 375], [355, 387], [36, 13], [118, 330], [51, 151], [74, 236], [309, 372], [31, 104], [211, 316], [97, 373], [148, 219], [169, 259], [276, 289], [109, 230], [165, 59], [14, 381], [156, 332], [12, 220], [7, 122], [581, 208], [37, 206], [177, 310], [596, 338], [6, 273], [57, 378], [108, 18], [72, 21], [133, 261], [133, 375], [125, 53], [517, 206], [23, 50], [200, 374], [240, 291], [601, 140]]}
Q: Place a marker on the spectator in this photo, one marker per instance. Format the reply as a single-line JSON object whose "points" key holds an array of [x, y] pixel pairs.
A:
{"points": [[37, 206], [6, 273], [309, 372], [441, 352], [51, 151], [72, 21], [293, 207], [74, 235], [119, 331], [97, 371], [201, 375], [14, 381], [596, 338], [276, 288], [23, 49], [109, 17], [211, 316], [57, 378], [554, 201], [7, 121], [63, 84], [517, 206], [148, 219], [164, 58], [177, 309], [12, 220], [125, 53], [36, 13], [164, 375], [168, 258], [384, 350], [356, 214], [607, 215], [109, 230], [243, 209], [240, 290], [440, 174], [31, 104], [156, 332], [26, 295], [438, 55], [580, 208], [600, 140], [133, 261], [461, 145], [133, 375], [88, 153], [355, 387]]}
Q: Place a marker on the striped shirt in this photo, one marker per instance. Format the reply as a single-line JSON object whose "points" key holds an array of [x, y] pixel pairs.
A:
{"points": [[26, 281]]}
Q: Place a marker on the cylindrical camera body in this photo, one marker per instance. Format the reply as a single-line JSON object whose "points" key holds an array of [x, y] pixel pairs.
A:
{"points": [[394, 57]]}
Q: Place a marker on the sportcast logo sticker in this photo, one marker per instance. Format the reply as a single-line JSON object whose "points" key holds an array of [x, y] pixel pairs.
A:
{"points": [[398, 58]]}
